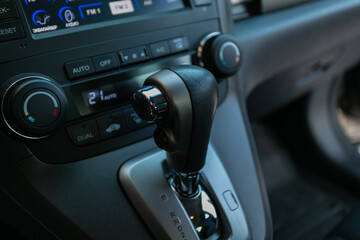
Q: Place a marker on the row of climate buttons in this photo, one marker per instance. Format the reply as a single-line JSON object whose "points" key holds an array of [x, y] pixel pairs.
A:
{"points": [[10, 25], [105, 127], [110, 61]]}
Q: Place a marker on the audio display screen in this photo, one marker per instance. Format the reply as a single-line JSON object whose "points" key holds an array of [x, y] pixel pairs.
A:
{"points": [[52, 15]]}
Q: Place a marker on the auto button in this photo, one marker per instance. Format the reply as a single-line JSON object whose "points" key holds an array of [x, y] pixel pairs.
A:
{"points": [[79, 68]]}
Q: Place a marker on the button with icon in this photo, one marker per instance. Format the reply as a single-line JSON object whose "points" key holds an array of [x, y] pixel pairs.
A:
{"points": [[133, 55], [111, 125], [133, 120], [179, 44], [41, 18], [67, 14], [160, 49]]}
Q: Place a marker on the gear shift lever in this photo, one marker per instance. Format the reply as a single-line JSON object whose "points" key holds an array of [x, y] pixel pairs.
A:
{"points": [[182, 101]]}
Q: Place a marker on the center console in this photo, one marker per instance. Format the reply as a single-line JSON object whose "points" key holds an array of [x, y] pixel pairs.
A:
{"points": [[72, 140]]}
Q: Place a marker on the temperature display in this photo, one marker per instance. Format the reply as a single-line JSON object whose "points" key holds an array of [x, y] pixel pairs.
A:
{"points": [[100, 96]]}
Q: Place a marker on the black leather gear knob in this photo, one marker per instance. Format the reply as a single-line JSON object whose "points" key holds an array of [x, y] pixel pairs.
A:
{"points": [[191, 96]]}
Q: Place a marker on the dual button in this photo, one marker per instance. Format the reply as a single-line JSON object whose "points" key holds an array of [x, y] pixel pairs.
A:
{"points": [[105, 127]]}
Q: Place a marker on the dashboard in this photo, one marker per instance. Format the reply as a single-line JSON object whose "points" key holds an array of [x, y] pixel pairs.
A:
{"points": [[98, 72], [69, 67]]}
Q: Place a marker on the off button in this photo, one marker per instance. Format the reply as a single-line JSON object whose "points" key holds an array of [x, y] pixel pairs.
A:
{"points": [[10, 31], [105, 62]]}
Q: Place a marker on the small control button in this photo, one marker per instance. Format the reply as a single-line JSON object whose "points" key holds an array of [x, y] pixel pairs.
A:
{"points": [[121, 7], [42, 18], [7, 10], [160, 49], [79, 68], [143, 4], [179, 44], [230, 200], [111, 125], [92, 10], [133, 55], [105, 62], [199, 3], [67, 15], [10, 31], [133, 120], [84, 133]]}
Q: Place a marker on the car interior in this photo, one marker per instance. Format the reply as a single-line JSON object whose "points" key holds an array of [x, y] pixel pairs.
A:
{"points": [[180, 119]]}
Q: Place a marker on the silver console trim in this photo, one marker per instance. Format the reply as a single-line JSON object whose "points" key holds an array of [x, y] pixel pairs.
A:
{"points": [[218, 184], [143, 181]]}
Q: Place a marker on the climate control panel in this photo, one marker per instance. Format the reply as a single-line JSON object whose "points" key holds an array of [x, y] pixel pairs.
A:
{"points": [[81, 100]]}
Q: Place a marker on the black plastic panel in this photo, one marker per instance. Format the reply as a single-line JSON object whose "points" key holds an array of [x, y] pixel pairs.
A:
{"points": [[277, 42], [81, 200], [297, 80]]}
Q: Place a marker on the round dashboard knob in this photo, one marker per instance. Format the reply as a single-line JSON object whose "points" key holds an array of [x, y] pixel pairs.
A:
{"points": [[33, 107], [220, 54], [40, 108]]}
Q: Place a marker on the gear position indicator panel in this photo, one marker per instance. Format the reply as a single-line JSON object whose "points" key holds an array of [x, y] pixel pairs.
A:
{"points": [[52, 15]]}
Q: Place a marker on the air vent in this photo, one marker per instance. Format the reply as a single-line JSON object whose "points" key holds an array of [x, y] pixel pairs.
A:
{"points": [[243, 8]]}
